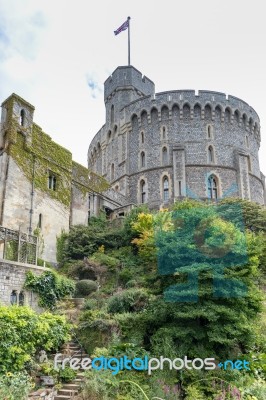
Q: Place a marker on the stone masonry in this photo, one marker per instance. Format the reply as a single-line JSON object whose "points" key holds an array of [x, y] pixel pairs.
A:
{"points": [[157, 148]]}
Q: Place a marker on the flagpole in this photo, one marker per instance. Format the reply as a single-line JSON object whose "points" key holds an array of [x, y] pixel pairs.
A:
{"points": [[128, 18]]}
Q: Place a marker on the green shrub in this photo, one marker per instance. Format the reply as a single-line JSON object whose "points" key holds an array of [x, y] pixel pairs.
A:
{"points": [[85, 287], [132, 283], [90, 304], [104, 259], [15, 386], [96, 329], [67, 374], [125, 275], [23, 333], [50, 286], [128, 301]]}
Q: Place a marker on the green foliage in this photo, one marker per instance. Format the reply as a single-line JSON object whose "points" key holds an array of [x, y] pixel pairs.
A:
{"points": [[105, 259], [50, 286], [96, 329], [128, 233], [85, 287], [83, 241], [220, 326], [23, 333], [15, 386], [130, 300], [67, 374], [61, 245]]}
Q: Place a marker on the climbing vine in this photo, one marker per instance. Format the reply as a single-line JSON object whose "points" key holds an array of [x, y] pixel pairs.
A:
{"points": [[37, 155], [50, 286]]}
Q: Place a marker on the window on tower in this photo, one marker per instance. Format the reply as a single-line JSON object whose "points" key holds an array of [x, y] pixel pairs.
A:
{"points": [[142, 159], [164, 156], [143, 191], [165, 189], [212, 187], [22, 118], [52, 181]]}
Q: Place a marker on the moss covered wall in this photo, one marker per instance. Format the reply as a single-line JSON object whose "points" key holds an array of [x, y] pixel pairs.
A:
{"points": [[29, 156]]}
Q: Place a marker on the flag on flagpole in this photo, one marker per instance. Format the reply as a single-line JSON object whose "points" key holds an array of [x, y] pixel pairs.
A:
{"points": [[123, 27]]}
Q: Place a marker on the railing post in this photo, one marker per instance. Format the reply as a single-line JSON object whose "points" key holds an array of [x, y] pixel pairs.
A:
{"points": [[19, 241], [4, 251]]}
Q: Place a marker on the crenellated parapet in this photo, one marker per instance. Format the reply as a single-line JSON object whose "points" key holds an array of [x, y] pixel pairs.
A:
{"points": [[184, 104]]}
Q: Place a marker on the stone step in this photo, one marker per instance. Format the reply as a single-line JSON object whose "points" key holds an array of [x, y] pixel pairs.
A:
{"points": [[71, 386], [62, 397], [66, 392]]}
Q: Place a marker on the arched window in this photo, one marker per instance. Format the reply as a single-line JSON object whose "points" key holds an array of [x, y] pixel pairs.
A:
{"points": [[112, 172], [165, 189], [13, 297], [21, 299], [164, 156], [142, 159], [142, 137], [143, 191], [164, 132], [210, 155], [22, 118], [247, 141], [212, 187]]}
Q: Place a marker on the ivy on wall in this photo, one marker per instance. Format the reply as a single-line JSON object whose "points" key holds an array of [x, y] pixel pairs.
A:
{"points": [[37, 155]]}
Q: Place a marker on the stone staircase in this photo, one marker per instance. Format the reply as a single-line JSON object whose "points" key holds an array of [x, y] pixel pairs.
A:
{"points": [[70, 389]]}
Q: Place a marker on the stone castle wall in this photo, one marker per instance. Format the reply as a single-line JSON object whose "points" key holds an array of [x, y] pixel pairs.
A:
{"points": [[12, 278], [175, 131]]}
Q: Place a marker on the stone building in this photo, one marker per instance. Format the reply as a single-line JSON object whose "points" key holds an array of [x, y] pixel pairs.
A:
{"points": [[156, 148], [42, 190]]}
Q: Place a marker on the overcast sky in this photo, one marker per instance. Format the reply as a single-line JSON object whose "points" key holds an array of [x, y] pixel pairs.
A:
{"points": [[56, 54]]}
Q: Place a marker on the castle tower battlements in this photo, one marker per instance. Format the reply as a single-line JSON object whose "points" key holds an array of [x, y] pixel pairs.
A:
{"points": [[158, 147]]}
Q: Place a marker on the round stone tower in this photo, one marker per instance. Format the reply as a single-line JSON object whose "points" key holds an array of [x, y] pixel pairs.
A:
{"points": [[157, 148]]}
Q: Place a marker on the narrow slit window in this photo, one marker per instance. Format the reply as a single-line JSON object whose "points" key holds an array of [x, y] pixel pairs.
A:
{"points": [[164, 155], [179, 188], [142, 159], [210, 154], [40, 221], [143, 191], [22, 118]]}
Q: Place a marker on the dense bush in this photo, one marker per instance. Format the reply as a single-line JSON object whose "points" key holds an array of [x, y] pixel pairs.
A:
{"points": [[50, 286], [23, 333], [85, 287], [128, 301], [196, 304], [15, 386], [83, 241]]}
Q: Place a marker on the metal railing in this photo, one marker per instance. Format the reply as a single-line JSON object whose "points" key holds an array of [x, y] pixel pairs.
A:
{"points": [[18, 246]]}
